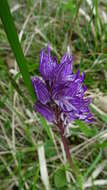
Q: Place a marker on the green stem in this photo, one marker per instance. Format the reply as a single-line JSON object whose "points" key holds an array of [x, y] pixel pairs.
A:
{"points": [[66, 148]]}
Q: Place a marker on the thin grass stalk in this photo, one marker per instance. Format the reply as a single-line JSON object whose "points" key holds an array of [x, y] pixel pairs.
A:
{"points": [[13, 39]]}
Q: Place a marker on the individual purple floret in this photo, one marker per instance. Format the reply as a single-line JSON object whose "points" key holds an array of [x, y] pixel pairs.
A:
{"points": [[60, 93]]}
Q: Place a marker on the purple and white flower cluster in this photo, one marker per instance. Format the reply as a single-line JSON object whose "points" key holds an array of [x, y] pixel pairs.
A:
{"points": [[60, 93]]}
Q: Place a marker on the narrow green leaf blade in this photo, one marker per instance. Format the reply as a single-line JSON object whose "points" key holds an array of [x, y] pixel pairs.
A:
{"points": [[46, 128], [12, 36]]}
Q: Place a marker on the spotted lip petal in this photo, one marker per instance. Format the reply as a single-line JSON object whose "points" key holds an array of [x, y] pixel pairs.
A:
{"points": [[45, 111], [48, 64], [68, 90], [41, 90], [69, 96]]}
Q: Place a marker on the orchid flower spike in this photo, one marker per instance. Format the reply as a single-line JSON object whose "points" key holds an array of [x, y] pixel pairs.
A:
{"points": [[60, 93]]}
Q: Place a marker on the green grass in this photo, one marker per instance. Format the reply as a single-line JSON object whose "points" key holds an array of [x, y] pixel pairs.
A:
{"points": [[62, 24], [13, 39]]}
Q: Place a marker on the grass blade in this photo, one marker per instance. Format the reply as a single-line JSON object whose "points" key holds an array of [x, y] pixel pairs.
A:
{"points": [[12, 36]]}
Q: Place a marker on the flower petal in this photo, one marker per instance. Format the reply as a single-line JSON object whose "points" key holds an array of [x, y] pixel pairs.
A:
{"points": [[68, 89], [82, 77], [45, 111], [64, 70], [40, 90], [89, 118], [47, 64]]}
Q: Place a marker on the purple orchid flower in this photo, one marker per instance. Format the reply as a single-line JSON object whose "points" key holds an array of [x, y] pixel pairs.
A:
{"points": [[60, 93]]}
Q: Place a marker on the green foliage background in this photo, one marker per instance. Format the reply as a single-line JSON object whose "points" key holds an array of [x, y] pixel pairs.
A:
{"points": [[81, 26]]}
